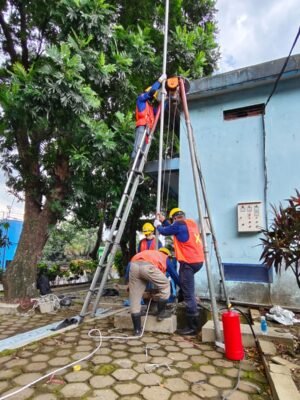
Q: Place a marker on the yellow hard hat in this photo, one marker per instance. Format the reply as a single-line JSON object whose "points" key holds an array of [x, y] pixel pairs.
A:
{"points": [[165, 251], [148, 228], [175, 211]]}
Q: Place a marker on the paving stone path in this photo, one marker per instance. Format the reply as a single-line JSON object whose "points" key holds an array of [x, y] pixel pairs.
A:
{"points": [[154, 367]]}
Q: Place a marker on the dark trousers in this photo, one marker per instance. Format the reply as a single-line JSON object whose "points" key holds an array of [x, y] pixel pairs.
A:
{"points": [[187, 284]]}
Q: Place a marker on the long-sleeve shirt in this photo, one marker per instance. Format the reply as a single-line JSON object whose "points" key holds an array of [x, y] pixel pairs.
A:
{"points": [[178, 229], [146, 96]]}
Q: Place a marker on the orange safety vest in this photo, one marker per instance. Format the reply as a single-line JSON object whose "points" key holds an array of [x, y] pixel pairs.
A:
{"points": [[145, 117], [154, 257], [190, 251], [144, 244]]}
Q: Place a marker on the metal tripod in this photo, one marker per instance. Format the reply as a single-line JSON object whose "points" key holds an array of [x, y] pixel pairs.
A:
{"points": [[119, 222]]}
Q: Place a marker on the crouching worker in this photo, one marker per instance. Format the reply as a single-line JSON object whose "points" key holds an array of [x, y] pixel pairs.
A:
{"points": [[148, 266]]}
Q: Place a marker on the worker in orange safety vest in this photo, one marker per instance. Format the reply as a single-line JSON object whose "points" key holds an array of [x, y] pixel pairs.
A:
{"points": [[189, 252], [148, 266], [145, 113]]}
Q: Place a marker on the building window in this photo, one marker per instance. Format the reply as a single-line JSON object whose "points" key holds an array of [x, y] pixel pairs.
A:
{"points": [[244, 112]]}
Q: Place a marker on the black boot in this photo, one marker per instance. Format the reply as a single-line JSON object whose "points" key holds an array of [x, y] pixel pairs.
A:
{"points": [[137, 324], [192, 326], [162, 313]]}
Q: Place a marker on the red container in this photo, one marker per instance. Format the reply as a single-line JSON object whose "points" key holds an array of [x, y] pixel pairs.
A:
{"points": [[232, 335]]}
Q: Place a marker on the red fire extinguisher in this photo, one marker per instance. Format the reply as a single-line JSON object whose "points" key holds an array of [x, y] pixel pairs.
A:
{"points": [[232, 335]]}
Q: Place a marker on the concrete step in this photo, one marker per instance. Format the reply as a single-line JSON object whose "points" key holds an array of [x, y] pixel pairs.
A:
{"points": [[208, 334], [168, 325]]}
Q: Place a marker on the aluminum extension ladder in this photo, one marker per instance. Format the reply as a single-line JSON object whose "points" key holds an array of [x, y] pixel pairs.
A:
{"points": [[118, 225]]}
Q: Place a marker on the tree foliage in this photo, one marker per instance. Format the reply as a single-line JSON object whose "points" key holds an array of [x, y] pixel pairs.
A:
{"points": [[70, 73], [281, 241]]}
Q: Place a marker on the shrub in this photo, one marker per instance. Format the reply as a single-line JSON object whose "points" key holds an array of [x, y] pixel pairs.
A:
{"points": [[282, 240], [80, 265]]}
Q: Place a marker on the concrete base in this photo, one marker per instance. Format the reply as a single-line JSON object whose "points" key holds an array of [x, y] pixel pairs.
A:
{"points": [[208, 334], [168, 325], [6, 308]]}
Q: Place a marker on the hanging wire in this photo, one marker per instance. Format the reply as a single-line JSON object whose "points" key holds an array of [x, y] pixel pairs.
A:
{"points": [[169, 143], [283, 68], [171, 154]]}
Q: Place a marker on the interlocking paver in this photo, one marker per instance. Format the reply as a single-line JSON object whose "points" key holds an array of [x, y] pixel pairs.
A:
{"points": [[75, 390], [208, 369], [45, 396], [212, 354], [40, 358], [125, 374], [100, 381], [178, 356], [220, 381], [3, 386], [150, 379], [176, 385], [34, 367], [127, 388], [23, 395], [154, 393], [199, 359], [24, 379], [223, 363], [193, 376], [104, 394], [101, 360], [123, 363], [9, 373], [183, 396], [204, 391], [176, 368], [78, 376], [59, 361], [237, 395]]}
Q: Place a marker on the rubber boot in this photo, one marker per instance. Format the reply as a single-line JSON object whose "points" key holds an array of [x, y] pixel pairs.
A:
{"points": [[162, 313], [192, 327], [137, 323]]}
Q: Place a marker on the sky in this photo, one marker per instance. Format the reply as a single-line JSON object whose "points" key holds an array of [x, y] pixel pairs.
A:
{"points": [[250, 32], [256, 31]]}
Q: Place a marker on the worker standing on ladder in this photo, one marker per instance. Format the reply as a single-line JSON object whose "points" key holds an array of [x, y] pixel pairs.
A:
{"points": [[189, 252], [145, 112], [148, 266]]}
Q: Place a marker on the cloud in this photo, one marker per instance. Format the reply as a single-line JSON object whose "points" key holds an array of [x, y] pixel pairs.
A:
{"points": [[256, 31]]}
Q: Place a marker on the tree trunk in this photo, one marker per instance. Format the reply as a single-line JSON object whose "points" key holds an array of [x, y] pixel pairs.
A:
{"points": [[94, 253], [20, 276]]}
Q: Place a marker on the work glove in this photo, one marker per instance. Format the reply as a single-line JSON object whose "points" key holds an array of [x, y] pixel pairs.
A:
{"points": [[162, 78], [156, 223]]}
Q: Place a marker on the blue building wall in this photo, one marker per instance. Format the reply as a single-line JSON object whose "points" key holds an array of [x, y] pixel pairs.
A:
{"points": [[244, 160], [13, 233]]}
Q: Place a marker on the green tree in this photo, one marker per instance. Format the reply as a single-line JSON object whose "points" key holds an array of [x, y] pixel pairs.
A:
{"points": [[68, 67], [281, 241]]}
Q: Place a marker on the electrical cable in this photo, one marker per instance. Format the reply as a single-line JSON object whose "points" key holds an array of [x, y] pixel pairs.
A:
{"points": [[59, 369], [283, 68], [101, 338]]}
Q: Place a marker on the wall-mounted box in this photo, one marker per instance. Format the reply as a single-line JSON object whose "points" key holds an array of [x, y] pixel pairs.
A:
{"points": [[250, 216]]}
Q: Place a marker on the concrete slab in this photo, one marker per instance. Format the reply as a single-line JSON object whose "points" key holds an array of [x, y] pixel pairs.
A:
{"points": [[267, 347], [208, 334], [168, 325], [8, 308], [283, 387], [286, 363], [279, 369]]}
